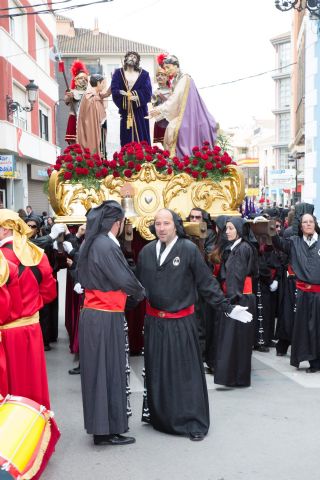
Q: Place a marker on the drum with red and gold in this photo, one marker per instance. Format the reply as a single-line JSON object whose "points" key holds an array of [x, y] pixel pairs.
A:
{"points": [[28, 434]]}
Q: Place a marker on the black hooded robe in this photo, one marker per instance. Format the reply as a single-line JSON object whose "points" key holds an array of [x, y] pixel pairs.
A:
{"points": [[235, 339], [176, 387], [305, 262], [102, 338]]}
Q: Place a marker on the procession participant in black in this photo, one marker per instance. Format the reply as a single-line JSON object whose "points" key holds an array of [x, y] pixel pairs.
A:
{"points": [[107, 279], [212, 315], [197, 215], [270, 271], [304, 257], [287, 303], [172, 269], [239, 266]]}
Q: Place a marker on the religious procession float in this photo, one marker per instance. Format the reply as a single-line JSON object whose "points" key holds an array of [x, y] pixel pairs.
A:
{"points": [[144, 178], [191, 171]]}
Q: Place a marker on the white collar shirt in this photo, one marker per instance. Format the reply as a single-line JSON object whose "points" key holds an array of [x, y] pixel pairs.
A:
{"points": [[113, 238], [312, 240], [235, 243], [166, 251]]}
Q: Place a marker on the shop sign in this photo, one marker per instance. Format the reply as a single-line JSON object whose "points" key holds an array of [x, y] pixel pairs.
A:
{"points": [[39, 173], [7, 166]]}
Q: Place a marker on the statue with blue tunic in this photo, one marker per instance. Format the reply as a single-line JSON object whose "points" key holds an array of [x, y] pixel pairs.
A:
{"points": [[131, 91]]}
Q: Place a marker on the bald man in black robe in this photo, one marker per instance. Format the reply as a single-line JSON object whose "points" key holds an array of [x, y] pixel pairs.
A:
{"points": [[172, 269]]}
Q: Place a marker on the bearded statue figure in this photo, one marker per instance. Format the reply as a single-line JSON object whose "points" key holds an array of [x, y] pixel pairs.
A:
{"points": [[131, 92]]}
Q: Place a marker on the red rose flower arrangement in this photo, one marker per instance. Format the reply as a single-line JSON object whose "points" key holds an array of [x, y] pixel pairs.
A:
{"points": [[128, 161], [79, 165], [205, 162]]}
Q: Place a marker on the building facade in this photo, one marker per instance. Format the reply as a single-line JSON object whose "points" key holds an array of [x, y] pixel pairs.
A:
{"points": [[28, 139], [310, 32], [252, 147], [282, 174]]}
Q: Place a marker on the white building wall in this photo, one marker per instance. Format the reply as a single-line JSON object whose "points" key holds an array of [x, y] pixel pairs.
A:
{"points": [[310, 189]]}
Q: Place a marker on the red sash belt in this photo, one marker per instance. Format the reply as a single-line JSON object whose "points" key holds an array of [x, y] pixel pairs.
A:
{"points": [[273, 272], [154, 312], [112, 301], [247, 286], [216, 269], [307, 287], [290, 271]]}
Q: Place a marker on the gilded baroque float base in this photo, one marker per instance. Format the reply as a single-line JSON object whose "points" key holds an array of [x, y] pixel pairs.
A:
{"points": [[152, 191]]}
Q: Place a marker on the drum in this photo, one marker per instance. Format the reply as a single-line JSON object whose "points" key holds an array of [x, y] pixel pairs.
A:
{"points": [[25, 431]]}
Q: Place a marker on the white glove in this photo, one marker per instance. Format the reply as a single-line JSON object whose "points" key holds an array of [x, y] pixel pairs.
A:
{"points": [[78, 289], [122, 92], [241, 314], [274, 286], [55, 245], [67, 246], [56, 230], [259, 219], [134, 98]]}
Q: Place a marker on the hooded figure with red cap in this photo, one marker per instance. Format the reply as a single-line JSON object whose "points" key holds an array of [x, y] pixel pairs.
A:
{"points": [[73, 97]]}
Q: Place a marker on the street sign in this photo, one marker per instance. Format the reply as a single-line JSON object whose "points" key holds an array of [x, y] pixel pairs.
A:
{"points": [[284, 178]]}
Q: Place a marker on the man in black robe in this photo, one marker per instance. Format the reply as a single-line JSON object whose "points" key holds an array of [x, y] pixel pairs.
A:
{"points": [[172, 269], [198, 215], [107, 279], [304, 257]]}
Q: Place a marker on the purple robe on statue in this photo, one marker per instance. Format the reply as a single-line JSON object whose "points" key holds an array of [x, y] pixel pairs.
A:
{"points": [[197, 126], [143, 90], [190, 122]]}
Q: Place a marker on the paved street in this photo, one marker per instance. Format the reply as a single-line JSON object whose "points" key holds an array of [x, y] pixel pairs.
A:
{"points": [[268, 431]]}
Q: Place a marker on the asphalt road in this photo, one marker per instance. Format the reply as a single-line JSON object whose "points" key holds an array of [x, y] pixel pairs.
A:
{"points": [[267, 431]]}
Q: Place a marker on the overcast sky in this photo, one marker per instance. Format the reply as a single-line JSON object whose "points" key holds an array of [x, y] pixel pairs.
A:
{"points": [[215, 40]]}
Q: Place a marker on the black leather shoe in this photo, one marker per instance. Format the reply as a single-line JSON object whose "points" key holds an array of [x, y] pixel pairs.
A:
{"points": [[47, 348], [281, 354], [262, 348], [114, 439], [312, 370], [208, 370], [196, 437], [75, 371]]}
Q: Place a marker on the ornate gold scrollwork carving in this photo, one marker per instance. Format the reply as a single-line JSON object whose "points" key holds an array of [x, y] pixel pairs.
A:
{"points": [[142, 225], [153, 191], [176, 186]]}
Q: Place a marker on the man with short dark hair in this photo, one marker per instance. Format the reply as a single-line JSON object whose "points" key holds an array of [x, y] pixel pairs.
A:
{"points": [[29, 211]]}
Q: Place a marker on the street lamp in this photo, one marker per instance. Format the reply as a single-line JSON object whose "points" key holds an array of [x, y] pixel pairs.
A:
{"points": [[312, 5], [32, 92]]}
